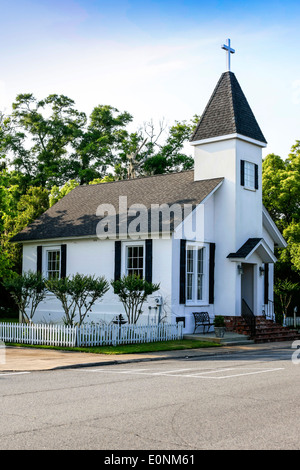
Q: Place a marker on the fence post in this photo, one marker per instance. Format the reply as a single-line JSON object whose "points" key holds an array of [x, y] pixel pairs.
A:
{"points": [[179, 332], [77, 336]]}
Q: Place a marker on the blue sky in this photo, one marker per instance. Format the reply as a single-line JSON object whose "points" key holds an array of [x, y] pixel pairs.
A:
{"points": [[155, 59]]}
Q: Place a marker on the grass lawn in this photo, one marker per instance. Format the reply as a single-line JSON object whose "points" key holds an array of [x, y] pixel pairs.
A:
{"points": [[133, 348]]}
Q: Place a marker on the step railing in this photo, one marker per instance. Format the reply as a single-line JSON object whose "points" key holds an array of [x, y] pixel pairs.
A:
{"points": [[268, 310], [249, 318]]}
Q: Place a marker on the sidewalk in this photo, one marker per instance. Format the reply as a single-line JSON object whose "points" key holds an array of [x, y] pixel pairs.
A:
{"points": [[21, 359]]}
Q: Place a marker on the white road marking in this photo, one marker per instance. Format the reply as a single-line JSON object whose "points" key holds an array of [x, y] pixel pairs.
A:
{"points": [[120, 371], [166, 372], [14, 373], [201, 374], [247, 373]]}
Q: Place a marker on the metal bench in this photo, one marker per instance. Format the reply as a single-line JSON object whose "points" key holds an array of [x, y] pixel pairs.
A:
{"points": [[202, 319]]}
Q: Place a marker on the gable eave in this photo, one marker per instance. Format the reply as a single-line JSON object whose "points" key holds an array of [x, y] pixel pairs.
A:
{"points": [[179, 229], [261, 248], [272, 229], [228, 137]]}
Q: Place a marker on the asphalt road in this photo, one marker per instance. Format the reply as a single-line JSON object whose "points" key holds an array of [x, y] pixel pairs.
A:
{"points": [[235, 401]]}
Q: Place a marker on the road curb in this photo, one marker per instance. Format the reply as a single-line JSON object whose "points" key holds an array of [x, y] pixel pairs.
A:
{"points": [[184, 355], [38, 360]]}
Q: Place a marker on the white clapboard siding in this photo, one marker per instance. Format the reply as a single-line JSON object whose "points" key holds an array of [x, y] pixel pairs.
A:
{"points": [[87, 335]]}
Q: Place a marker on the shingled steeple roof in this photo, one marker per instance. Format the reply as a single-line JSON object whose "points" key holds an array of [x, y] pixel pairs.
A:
{"points": [[227, 112]]}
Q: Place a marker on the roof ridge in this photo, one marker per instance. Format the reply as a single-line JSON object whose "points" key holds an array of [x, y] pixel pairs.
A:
{"points": [[134, 179], [233, 100]]}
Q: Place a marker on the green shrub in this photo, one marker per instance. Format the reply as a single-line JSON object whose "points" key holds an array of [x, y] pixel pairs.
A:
{"points": [[27, 290], [133, 291], [77, 294], [219, 321]]}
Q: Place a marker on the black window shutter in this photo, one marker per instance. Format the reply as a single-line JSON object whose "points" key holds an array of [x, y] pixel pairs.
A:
{"points": [[39, 259], [63, 261], [182, 269], [266, 284], [117, 260], [148, 261], [256, 176], [212, 249], [242, 172]]}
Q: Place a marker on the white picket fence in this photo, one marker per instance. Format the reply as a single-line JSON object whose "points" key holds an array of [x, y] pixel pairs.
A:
{"points": [[42, 334], [88, 335], [293, 322]]}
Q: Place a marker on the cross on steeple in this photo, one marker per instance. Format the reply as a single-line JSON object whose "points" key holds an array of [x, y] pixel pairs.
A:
{"points": [[229, 51]]}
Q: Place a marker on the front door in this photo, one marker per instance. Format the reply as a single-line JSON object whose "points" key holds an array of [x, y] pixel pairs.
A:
{"points": [[247, 287]]}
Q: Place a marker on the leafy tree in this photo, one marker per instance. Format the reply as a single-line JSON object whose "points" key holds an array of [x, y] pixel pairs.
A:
{"points": [[133, 292], [3, 140], [107, 179], [17, 216], [56, 193], [281, 196], [77, 294], [150, 151], [47, 127], [170, 156], [52, 142], [27, 290], [96, 149]]}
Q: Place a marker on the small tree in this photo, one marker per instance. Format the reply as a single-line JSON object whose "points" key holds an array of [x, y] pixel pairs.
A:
{"points": [[285, 289], [77, 294], [27, 290], [61, 289], [133, 291]]}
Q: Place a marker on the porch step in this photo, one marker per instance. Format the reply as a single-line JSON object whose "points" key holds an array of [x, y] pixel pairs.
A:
{"points": [[266, 330]]}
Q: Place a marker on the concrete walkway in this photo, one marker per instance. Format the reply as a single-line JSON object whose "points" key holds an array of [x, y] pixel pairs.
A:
{"points": [[20, 359]]}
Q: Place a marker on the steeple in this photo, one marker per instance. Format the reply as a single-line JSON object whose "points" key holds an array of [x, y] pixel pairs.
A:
{"points": [[228, 113]]}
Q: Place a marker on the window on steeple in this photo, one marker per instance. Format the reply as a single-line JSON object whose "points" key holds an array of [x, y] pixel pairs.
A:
{"points": [[249, 175]]}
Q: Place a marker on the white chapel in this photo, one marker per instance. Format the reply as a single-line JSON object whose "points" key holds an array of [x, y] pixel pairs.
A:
{"points": [[219, 258]]}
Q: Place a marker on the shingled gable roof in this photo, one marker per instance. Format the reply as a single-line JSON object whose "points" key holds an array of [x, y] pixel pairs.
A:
{"points": [[246, 249], [227, 112], [253, 245], [75, 214]]}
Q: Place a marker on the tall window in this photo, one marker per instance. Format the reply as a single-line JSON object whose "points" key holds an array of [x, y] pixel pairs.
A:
{"points": [[196, 266], [200, 274], [53, 264], [135, 260], [249, 175], [190, 274]]}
